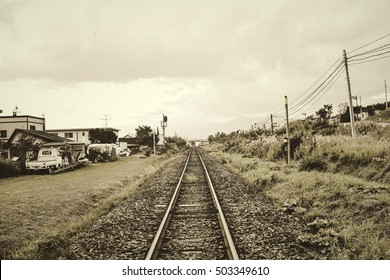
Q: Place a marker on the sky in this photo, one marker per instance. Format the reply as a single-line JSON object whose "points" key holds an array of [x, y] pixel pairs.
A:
{"points": [[201, 63]]}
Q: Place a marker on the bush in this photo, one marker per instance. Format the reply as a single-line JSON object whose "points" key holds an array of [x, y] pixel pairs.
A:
{"points": [[312, 163], [8, 169], [147, 151]]}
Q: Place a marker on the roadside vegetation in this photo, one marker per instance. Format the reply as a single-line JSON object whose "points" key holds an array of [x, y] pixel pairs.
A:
{"points": [[336, 184], [346, 217], [318, 145]]}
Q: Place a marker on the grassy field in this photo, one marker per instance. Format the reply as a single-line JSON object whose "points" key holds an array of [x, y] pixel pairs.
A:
{"points": [[39, 211], [347, 216]]}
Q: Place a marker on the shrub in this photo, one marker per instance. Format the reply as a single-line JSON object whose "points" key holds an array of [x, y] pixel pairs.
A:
{"points": [[312, 163], [146, 150], [8, 169]]}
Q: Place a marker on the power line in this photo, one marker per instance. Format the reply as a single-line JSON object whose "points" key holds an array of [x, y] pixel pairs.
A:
{"points": [[319, 98], [387, 56], [381, 48], [301, 102], [317, 91], [307, 100], [374, 55], [387, 35]]}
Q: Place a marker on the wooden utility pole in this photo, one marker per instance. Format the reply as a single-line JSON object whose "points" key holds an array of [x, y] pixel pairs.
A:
{"points": [[154, 143], [351, 114], [287, 132], [386, 94], [272, 125]]}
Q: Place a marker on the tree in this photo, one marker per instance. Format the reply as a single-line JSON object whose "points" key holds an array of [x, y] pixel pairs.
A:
{"points": [[178, 141], [144, 135], [101, 135], [343, 108], [26, 144], [325, 113]]}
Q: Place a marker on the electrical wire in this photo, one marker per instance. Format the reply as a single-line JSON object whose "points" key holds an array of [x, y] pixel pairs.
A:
{"points": [[381, 48], [319, 98], [323, 90], [327, 71], [387, 35], [370, 60], [374, 55], [317, 90], [310, 97]]}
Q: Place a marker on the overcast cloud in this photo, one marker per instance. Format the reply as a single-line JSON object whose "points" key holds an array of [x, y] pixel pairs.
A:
{"points": [[200, 62]]}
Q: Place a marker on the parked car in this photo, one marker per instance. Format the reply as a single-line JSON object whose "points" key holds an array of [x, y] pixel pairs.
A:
{"points": [[51, 157]]}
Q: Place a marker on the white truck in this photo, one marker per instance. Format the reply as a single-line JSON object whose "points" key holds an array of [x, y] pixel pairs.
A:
{"points": [[51, 157]]}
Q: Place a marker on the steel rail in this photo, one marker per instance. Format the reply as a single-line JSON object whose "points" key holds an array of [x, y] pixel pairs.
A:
{"points": [[153, 251], [231, 248]]}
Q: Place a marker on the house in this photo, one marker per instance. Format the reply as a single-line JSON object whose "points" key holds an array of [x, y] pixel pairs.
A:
{"points": [[39, 137], [8, 124], [77, 134], [129, 142]]}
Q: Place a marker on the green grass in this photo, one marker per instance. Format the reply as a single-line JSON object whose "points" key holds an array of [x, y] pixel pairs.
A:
{"points": [[356, 211], [39, 212]]}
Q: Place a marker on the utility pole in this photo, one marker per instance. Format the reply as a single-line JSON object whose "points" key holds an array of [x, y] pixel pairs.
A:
{"points": [[272, 125], [287, 132], [386, 94], [351, 114], [154, 143], [164, 125]]}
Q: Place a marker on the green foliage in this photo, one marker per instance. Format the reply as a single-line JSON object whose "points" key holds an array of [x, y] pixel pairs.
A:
{"points": [[312, 163], [325, 112], [25, 144], [176, 143], [8, 169], [101, 135], [146, 150], [177, 140], [144, 136]]}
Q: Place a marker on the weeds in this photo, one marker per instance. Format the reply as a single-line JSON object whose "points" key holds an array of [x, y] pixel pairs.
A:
{"points": [[345, 216]]}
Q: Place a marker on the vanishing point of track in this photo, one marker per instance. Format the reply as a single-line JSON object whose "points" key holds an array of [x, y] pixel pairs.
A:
{"points": [[194, 226]]}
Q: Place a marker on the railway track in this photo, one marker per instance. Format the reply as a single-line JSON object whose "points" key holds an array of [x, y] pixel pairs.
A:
{"points": [[194, 226]]}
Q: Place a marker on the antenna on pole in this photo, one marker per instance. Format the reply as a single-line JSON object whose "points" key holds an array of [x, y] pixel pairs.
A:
{"points": [[16, 111], [106, 119]]}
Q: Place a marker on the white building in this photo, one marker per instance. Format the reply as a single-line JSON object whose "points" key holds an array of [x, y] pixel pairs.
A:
{"points": [[77, 134], [8, 124]]}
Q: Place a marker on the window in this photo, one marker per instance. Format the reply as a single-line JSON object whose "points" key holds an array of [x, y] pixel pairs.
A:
{"points": [[32, 127], [46, 153], [83, 133], [3, 133], [68, 134]]}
